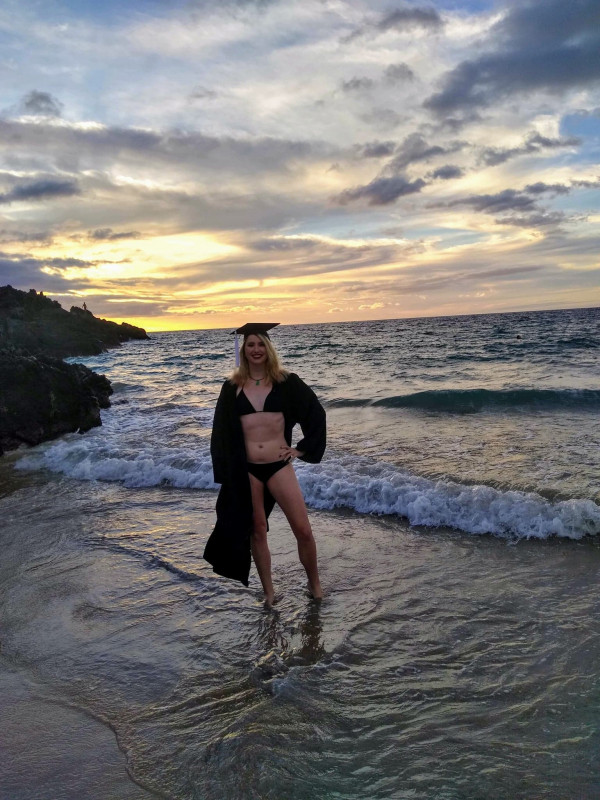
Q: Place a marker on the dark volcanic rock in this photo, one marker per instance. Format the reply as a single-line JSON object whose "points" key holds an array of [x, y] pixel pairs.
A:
{"points": [[42, 397], [36, 324]]}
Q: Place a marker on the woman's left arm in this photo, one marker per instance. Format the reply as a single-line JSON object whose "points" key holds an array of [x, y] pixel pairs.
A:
{"points": [[311, 416]]}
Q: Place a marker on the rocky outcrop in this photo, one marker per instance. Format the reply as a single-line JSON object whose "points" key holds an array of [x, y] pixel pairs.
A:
{"points": [[32, 322], [42, 397]]}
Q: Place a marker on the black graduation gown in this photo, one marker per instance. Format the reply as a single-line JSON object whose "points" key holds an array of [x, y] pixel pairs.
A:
{"points": [[228, 547]]}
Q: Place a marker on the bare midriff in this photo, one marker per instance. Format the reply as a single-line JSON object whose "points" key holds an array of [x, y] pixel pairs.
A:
{"points": [[263, 436]]}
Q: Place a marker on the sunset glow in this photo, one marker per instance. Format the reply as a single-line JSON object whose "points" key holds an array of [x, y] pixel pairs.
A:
{"points": [[190, 165]]}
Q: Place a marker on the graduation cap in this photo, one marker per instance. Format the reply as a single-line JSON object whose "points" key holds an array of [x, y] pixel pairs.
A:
{"points": [[247, 330]]}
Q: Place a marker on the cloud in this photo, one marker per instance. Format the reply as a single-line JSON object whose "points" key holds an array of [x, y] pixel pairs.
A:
{"points": [[25, 271], [447, 172], [99, 145], [382, 118], [538, 45], [41, 104], [212, 172], [210, 5], [544, 188], [9, 235], [397, 73], [586, 113], [381, 191], [67, 263], [415, 148], [285, 243], [523, 202], [404, 19], [511, 199], [268, 257], [540, 219], [506, 200], [534, 143], [376, 149], [583, 184], [202, 93], [126, 307], [410, 17], [441, 277], [391, 184], [40, 190], [357, 85], [107, 234]]}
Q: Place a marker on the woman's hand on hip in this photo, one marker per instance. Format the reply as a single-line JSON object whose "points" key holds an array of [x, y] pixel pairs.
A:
{"points": [[288, 454]]}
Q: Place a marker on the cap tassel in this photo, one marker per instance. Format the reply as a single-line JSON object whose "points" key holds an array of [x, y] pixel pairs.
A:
{"points": [[237, 351]]}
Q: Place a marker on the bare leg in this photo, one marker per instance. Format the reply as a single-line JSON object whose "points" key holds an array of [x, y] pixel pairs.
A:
{"points": [[286, 490], [260, 547]]}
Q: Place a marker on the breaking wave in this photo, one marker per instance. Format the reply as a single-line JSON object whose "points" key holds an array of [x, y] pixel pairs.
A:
{"points": [[341, 482], [471, 401]]}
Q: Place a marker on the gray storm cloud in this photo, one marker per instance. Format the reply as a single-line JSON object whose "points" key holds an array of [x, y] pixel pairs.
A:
{"points": [[410, 17], [550, 45], [42, 189], [447, 172], [397, 73], [534, 143], [404, 19], [107, 234], [43, 104], [381, 191]]}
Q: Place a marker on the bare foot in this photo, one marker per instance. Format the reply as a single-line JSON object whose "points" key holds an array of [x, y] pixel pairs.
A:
{"points": [[314, 592], [270, 600]]}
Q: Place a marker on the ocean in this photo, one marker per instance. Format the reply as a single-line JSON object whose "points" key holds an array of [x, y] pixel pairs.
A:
{"points": [[456, 513]]}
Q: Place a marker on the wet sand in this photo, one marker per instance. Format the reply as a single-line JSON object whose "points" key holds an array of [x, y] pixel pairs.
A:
{"points": [[52, 751], [439, 664]]}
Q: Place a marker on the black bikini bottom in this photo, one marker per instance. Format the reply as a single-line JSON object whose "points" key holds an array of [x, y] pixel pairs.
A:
{"points": [[265, 471]]}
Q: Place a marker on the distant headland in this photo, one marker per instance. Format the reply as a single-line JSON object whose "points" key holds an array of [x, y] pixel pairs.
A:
{"points": [[41, 396]]}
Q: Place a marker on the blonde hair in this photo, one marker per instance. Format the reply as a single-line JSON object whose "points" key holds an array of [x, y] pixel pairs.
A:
{"points": [[274, 371]]}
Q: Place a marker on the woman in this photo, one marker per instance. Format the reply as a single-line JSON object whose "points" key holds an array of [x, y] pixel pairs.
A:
{"points": [[252, 460]]}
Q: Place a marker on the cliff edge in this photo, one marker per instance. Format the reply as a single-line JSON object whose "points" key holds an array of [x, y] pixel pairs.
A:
{"points": [[32, 322]]}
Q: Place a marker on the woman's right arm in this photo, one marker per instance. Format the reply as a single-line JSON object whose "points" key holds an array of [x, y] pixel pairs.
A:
{"points": [[219, 438]]}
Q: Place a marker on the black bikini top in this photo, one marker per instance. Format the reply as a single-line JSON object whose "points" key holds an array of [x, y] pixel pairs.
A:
{"points": [[243, 406]]}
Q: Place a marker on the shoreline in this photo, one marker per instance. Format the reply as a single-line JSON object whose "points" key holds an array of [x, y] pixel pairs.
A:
{"points": [[126, 622], [12, 479], [76, 754]]}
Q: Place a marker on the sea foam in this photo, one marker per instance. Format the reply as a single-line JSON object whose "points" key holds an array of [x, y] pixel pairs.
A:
{"points": [[147, 467], [339, 482], [384, 489]]}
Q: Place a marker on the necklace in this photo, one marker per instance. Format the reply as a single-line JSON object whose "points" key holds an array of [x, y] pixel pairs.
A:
{"points": [[258, 380]]}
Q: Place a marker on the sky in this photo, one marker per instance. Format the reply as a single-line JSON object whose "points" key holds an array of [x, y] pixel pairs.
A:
{"points": [[193, 164]]}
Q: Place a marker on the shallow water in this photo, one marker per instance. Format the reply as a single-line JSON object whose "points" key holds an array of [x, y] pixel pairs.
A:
{"points": [[484, 424], [457, 518], [439, 665]]}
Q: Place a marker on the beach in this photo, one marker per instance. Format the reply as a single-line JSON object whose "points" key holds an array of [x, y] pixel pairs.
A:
{"points": [[437, 666], [454, 655]]}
